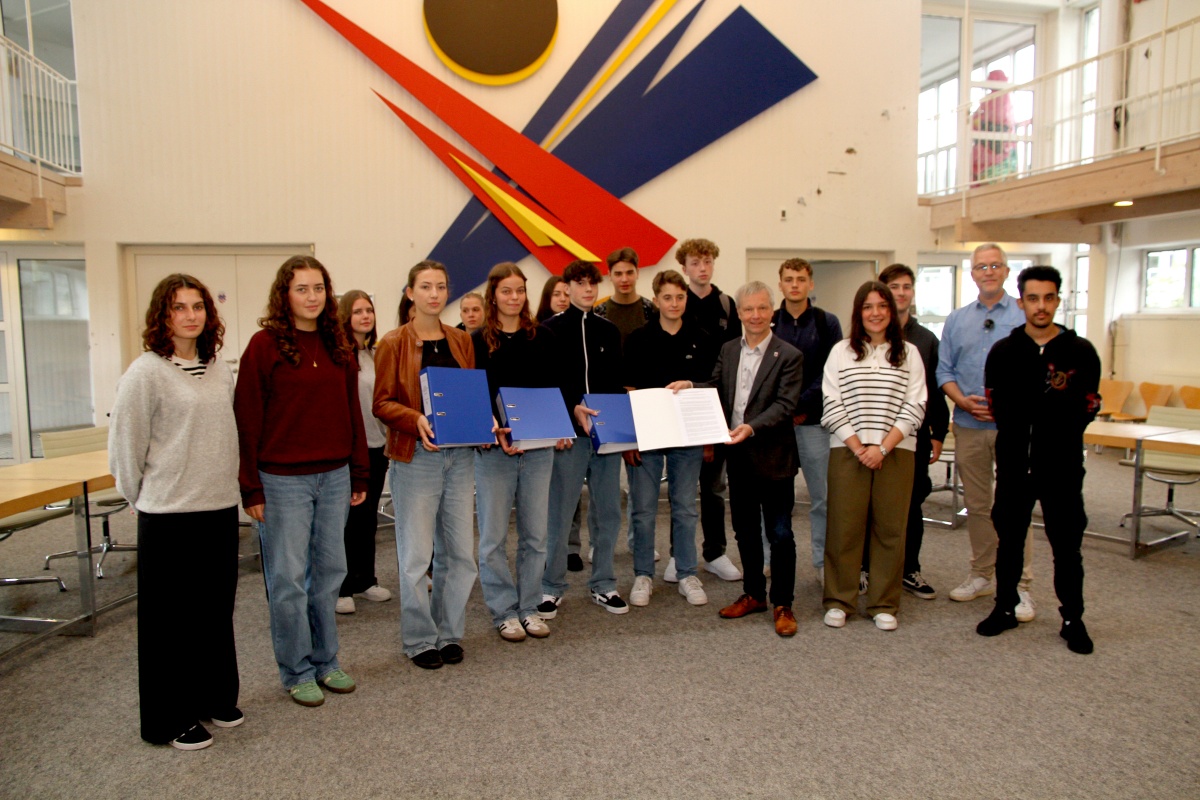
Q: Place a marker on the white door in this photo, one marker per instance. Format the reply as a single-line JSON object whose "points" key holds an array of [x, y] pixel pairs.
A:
{"points": [[238, 282]]}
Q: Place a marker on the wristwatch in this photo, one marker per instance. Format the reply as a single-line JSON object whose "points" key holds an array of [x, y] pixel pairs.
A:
{"points": [[883, 451]]}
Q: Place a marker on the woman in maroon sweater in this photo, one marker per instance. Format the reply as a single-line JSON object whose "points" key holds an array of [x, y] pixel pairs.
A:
{"points": [[303, 464]]}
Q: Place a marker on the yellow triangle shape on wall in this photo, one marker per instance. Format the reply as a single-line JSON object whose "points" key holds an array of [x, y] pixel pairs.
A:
{"points": [[540, 230]]}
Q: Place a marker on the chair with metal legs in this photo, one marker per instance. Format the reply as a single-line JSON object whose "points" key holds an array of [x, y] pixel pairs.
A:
{"points": [[101, 504], [1171, 469], [23, 521]]}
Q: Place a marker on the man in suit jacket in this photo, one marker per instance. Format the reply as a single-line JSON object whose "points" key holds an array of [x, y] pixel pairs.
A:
{"points": [[759, 377]]}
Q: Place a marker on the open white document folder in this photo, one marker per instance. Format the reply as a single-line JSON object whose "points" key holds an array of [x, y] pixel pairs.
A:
{"points": [[686, 418]]}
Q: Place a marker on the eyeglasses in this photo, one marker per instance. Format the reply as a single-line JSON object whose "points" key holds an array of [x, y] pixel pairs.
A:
{"points": [[986, 267]]}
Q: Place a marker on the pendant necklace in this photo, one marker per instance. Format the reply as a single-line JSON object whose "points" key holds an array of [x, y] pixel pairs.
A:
{"points": [[305, 352]]}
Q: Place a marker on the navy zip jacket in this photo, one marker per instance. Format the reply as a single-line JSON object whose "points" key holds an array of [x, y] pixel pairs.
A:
{"points": [[589, 356], [1042, 399]]}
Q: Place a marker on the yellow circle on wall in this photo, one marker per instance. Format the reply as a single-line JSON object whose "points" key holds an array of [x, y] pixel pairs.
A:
{"points": [[495, 42]]}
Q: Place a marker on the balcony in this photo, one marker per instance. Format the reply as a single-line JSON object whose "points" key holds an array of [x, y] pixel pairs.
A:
{"points": [[1122, 126], [39, 140]]}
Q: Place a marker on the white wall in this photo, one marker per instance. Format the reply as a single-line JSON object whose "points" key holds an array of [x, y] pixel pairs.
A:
{"points": [[228, 122]]}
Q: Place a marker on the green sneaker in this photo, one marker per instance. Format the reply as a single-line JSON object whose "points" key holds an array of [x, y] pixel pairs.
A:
{"points": [[307, 694], [338, 681]]}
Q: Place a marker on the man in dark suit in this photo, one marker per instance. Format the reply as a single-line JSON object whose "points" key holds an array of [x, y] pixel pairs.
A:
{"points": [[759, 377]]}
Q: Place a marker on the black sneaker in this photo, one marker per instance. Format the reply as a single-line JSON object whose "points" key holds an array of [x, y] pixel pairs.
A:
{"points": [[574, 562], [230, 718], [452, 654], [915, 585], [428, 659], [997, 623], [1077, 637], [611, 601], [194, 738], [548, 608]]}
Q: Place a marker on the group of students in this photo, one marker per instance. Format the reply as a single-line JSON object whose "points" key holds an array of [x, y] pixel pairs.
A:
{"points": [[321, 414]]}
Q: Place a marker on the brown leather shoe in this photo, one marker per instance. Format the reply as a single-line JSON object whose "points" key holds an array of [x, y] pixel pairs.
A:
{"points": [[785, 621], [742, 606]]}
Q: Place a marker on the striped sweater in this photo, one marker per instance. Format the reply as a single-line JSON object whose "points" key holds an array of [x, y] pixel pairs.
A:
{"points": [[868, 398]]}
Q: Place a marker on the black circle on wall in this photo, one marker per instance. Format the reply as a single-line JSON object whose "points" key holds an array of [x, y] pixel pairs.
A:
{"points": [[497, 40]]}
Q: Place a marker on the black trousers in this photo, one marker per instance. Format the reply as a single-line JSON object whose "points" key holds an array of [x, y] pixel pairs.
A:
{"points": [[187, 581], [712, 506], [1059, 488], [753, 503], [361, 526]]}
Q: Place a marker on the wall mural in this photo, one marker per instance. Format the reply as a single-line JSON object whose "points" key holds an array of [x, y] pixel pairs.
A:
{"points": [[494, 42], [563, 205]]}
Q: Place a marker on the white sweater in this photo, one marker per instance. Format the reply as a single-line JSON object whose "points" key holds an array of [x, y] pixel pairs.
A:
{"points": [[868, 398], [172, 439]]}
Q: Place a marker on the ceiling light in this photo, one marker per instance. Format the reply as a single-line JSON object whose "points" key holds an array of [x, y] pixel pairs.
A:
{"points": [[1123, 203]]}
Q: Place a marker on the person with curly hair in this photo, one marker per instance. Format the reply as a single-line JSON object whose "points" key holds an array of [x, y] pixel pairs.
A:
{"points": [[303, 465], [356, 312], [172, 448]]}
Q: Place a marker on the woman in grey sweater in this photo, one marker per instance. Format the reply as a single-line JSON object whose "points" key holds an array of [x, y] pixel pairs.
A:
{"points": [[173, 449]]}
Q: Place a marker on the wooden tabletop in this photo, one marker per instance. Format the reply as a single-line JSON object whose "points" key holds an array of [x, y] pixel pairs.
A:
{"points": [[90, 468], [26, 494], [1124, 434], [1185, 442]]}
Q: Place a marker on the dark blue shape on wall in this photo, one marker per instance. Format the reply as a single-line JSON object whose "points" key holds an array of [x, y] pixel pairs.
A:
{"points": [[637, 132]]}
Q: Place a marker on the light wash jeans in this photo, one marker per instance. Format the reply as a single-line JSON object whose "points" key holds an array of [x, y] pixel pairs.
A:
{"points": [[433, 495], [603, 475], [304, 564], [813, 443], [499, 481], [683, 476]]}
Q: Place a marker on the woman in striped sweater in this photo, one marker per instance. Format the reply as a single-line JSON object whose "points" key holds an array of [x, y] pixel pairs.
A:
{"points": [[874, 388]]}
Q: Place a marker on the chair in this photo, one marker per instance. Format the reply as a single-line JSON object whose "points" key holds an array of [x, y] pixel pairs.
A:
{"points": [[29, 519], [1171, 469], [101, 504], [952, 484], [1113, 395], [1153, 394], [1190, 395]]}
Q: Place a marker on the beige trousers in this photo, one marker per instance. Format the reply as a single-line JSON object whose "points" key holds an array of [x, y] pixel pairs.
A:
{"points": [[975, 462]]}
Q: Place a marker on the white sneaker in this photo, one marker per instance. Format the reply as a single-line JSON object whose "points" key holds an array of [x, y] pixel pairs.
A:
{"points": [[345, 605], [657, 557], [835, 618], [669, 573], [376, 594], [511, 630], [723, 568], [639, 595], [1025, 609], [535, 627], [820, 576], [691, 588], [862, 583], [591, 552], [974, 586], [885, 621]]}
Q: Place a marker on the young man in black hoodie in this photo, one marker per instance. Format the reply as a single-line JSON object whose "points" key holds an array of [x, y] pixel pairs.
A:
{"points": [[1042, 384], [588, 359]]}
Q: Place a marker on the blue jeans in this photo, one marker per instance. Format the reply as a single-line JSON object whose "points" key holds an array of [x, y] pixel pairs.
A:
{"points": [[813, 443], [683, 476], [433, 498], [499, 481], [304, 564], [604, 495]]}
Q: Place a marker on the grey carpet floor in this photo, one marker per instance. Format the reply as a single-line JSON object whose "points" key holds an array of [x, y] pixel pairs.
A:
{"points": [[666, 701]]}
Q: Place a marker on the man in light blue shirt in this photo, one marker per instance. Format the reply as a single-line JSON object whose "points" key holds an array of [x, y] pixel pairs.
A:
{"points": [[967, 338]]}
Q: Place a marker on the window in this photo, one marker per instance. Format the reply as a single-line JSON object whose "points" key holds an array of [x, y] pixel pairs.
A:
{"points": [[1170, 279], [962, 136], [1089, 81], [1075, 302]]}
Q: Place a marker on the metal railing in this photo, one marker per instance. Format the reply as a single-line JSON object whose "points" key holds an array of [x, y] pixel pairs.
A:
{"points": [[1142, 95], [39, 119]]}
